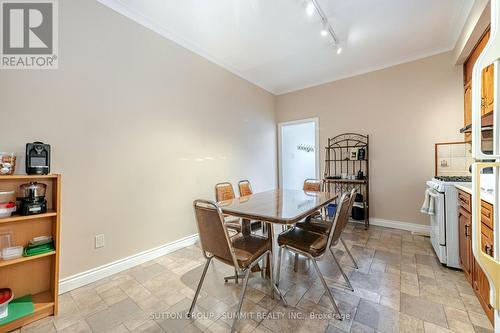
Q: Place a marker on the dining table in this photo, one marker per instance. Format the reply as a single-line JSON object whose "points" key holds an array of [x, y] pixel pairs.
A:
{"points": [[283, 207]]}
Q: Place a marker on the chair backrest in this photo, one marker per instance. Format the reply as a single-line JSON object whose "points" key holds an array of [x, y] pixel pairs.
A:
{"points": [[351, 201], [224, 191], [214, 238], [312, 185], [245, 188], [341, 217]]}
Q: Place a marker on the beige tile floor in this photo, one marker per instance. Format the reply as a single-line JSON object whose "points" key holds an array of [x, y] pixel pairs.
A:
{"points": [[399, 287]]}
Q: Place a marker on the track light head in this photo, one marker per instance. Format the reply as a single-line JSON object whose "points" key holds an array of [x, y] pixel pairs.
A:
{"points": [[310, 9]]}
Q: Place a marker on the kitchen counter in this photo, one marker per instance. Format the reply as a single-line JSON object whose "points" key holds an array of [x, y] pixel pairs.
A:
{"points": [[486, 196]]}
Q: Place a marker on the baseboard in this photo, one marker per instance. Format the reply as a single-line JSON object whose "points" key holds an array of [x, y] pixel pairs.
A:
{"points": [[81, 279], [414, 227]]}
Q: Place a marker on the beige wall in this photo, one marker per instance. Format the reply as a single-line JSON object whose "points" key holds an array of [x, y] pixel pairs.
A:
{"points": [[139, 128], [405, 109]]}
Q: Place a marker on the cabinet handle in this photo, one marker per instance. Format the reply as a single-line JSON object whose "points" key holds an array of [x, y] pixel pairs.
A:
{"points": [[488, 249], [466, 229]]}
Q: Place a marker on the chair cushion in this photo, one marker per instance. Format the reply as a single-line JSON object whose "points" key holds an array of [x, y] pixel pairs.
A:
{"points": [[318, 226], [307, 241], [249, 248]]}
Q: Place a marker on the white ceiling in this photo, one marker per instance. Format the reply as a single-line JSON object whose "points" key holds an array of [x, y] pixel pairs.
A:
{"points": [[277, 46]]}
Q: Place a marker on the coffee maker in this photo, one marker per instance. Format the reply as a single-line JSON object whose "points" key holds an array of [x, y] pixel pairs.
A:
{"points": [[37, 158], [32, 198]]}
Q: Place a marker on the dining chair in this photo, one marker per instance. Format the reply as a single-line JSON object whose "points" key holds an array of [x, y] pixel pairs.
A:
{"points": [[323, 227], [245, 190], [313, 245], [310, 185], [243, 253], [225, 191]]}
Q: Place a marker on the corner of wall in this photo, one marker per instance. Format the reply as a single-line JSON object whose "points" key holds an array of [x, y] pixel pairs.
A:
{"points": [[474, 27]]}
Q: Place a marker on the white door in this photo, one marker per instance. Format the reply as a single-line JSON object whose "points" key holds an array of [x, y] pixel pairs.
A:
{"points": [[298, 152]]}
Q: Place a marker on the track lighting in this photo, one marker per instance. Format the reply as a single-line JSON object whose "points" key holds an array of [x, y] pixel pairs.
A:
{"points": [[327, 27], [310, 9]]}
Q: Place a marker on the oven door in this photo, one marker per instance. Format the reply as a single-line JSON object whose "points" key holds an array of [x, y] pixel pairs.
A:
{"points": [[438, 225]]}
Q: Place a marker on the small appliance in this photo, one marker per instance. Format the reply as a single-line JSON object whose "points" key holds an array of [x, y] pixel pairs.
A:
{"points": [[32, 197], [37, 158]]}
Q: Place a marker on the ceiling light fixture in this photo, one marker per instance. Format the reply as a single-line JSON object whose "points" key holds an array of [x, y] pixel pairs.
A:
{"points": [[310, 9], [327, 27]]}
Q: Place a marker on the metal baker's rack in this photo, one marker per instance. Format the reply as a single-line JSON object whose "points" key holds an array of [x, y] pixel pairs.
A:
{"points": [[339, 164]]}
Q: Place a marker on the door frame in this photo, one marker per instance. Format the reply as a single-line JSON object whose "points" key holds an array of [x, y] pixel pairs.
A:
{"points": [[315, 120]]}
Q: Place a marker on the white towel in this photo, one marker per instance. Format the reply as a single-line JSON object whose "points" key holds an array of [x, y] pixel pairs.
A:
{"points": [[428, 205]]}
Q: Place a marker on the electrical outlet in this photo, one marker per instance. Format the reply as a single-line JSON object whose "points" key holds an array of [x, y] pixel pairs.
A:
{"points": [[99, 241]]}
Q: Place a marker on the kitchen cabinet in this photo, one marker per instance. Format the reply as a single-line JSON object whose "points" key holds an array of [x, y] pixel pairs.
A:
{"points": [[468, 108], [482, 288], [487, 93], [487, 90], [476, 52], [465, 242], [473, 272]]}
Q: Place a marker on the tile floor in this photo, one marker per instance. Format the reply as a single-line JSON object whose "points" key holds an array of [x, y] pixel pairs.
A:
{"points": [[399, 287]]}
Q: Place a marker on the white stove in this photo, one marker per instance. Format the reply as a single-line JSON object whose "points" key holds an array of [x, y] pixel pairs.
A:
{"points": [[444, 222]]}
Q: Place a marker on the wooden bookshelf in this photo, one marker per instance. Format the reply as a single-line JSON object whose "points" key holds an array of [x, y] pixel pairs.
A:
{"points": [[37, 275]]}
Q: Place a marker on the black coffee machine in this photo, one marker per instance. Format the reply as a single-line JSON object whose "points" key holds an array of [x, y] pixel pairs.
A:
{"points": [[32, 198], [37, 158]]}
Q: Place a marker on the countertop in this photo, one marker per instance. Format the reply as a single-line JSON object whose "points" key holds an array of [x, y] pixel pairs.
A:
{"points": [[486, 196]]}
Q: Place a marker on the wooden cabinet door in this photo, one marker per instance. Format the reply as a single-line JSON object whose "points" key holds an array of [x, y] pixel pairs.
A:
{"points": [[480, 282], [469, 63], [482, 288], [487, 90], [465, 242], [481, 285], [468, 108]]}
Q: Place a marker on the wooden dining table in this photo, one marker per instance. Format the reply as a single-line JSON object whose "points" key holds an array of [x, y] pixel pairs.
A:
{"points": [[282, 207]]}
